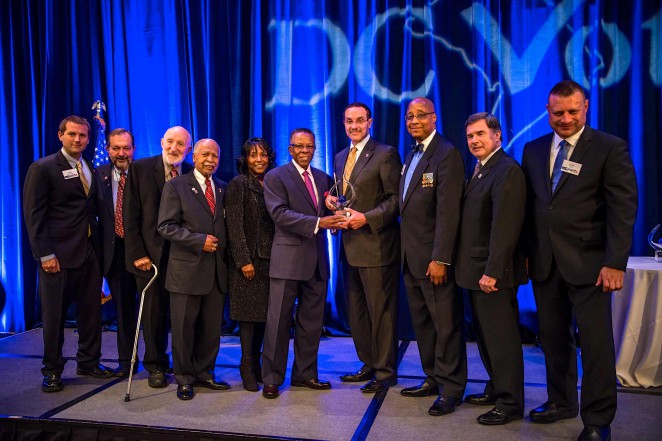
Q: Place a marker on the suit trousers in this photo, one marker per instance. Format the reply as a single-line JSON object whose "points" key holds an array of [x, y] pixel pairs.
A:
{"points": [[496, 316], [123, 289], [311, 295], [155, 319], [557, 302], [196, 334], [372, 294], [81, 285], [436, 314]]}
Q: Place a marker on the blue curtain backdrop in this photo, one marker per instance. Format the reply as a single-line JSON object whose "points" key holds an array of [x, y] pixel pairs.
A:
{"points": [[230, 70]]}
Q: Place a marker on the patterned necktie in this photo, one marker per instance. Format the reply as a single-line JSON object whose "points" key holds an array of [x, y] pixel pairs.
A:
{"points": [[309, 186], [349, 166], [209, 195], [119, 205], [477, 168], [83, 179], [173, 173], [558, 162]]}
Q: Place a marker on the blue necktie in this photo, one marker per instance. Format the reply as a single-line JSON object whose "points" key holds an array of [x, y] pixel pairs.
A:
{"points": [[560, 156], [418, 154]]}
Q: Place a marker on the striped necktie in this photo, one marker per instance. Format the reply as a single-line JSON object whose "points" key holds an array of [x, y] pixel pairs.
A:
{"points": [[209, 195]]}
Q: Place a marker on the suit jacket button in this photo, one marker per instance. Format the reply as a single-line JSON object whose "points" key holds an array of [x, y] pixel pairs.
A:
{"points": [[403, 218]]}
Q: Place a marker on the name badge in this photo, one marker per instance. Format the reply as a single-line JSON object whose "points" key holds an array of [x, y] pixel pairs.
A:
{"points": [[571, 167], [70, 174], [427, 180]]}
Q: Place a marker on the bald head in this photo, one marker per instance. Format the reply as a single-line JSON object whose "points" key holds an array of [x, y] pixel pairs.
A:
{"points": [[176, 144], [206, 154], [421, 118]]}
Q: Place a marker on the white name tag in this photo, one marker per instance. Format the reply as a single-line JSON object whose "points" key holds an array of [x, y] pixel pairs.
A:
{"points": [[70, 174], [571, 167]]}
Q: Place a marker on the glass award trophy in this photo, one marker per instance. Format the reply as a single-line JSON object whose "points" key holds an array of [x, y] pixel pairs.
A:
{"points": [[341, 200], [657, 246]]}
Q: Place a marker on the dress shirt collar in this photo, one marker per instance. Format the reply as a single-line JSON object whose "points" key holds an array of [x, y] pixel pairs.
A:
{"points": [[201, 179], [70, 159], [360, 145], [167, 167], [426, 141], [484, 161], [572, 140], [301, 169]]}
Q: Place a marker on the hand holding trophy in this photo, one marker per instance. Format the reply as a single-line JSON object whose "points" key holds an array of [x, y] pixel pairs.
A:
{"points": [[340, 197]]}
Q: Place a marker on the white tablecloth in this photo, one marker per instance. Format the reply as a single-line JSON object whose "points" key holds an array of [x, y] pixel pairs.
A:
{"points": [[637, 321]]}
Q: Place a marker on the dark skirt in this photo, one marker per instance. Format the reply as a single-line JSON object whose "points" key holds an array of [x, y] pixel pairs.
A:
{"points": [[249, 298]]}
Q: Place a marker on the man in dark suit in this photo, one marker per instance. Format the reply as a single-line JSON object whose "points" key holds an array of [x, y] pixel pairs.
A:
{"points": [[192, 218], [144, 245], [581, 207], [430, 192], [60, 211], [299, 268], [490, 266], [370, 250], [122, 284]]}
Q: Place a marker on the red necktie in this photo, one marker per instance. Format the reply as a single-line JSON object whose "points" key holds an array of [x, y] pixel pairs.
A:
{"points": [[173, 173], [309, 186], [209, 195], [119, 205]]}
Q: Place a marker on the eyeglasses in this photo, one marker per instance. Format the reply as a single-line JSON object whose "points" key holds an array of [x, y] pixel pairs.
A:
{"points": [[349, 122], [419, 117], [301, 147]]}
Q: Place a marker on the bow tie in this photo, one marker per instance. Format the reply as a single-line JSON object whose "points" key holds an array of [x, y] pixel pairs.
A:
{"points": [[416, 148]]}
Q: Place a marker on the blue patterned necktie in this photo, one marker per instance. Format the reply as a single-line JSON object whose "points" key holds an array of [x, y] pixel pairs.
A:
{"points": [[560, 156]]}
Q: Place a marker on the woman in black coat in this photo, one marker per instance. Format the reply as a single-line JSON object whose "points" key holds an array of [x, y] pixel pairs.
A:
{"points": [[250, 232]]}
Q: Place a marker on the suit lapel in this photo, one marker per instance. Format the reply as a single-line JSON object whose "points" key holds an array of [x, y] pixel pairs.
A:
{"points": [[299, 184], [199, 192], [420, 167], [578, 153], [107, 179], [362, 160], [340, 166], [484, 171], [159, 172]]}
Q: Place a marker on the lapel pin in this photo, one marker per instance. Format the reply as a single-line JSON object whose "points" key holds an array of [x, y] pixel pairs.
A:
{"points": [[194, 190]]}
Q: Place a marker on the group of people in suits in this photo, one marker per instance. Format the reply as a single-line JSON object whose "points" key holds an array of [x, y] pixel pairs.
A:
{"points": [[563, 219]]}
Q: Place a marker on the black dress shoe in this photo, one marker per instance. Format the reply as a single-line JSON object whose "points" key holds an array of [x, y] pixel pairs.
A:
{"points": [[157, 379], [497, 417], [595, 433], [52, 383], [185, 392], [213, 384], [376, 385], [270, 391], [357, 377], [481, 399], [422, 390], [98, 371], [315, 383], [444, 405], [550, 413], [123, 371]]}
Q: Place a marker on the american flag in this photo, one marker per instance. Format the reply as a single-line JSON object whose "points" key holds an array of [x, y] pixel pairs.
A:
{"points": [[100, 153]]}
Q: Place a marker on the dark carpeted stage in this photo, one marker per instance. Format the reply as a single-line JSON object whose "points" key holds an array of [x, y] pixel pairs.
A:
{"points": [[92, 409]]}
